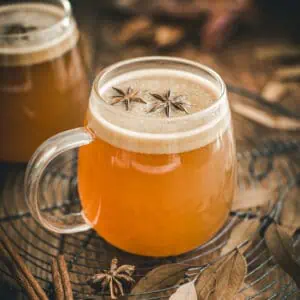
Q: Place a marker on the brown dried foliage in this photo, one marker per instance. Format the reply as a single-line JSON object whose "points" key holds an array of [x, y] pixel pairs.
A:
{"points": [[290, 214], [251, 198], [135, 29], [230, 276], [187, 292], [280, 246], [206, 283], [159, 278], [242, 232]]}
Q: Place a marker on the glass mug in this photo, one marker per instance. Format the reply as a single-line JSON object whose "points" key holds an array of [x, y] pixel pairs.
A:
{"points": [[43, 80], [152, 186]]}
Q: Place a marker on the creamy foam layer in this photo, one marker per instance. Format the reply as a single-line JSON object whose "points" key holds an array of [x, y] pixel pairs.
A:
{"points": [[49, 34], [138, 130], [201, 94]]}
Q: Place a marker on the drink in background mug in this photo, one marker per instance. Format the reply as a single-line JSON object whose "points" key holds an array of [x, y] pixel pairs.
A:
{"points": [[43, 81], [156, 166]]}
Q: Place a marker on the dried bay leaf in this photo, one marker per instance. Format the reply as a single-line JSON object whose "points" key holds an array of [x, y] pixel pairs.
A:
{"points": [[290, 214], [268, 119], [247, 293], [266, 275], [290, 230], [240, 297], [251, 198], [136, 28], [242, 232], [277, 52], [274, 91], [206, 283], [280, 246], [185, 292], [166, 36], [159, 278], [230, 277]]}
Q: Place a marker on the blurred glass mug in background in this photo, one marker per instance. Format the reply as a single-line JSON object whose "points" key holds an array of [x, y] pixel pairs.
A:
{"points": [[43, 80], [156, 170]]}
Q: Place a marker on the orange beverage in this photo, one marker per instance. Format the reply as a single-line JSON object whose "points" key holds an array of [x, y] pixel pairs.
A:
{"points": [[43, 81], [156, 165], [159, 183]]}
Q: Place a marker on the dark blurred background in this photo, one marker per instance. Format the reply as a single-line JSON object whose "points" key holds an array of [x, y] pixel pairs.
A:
{"points": [[209, 24], [249, 42]]}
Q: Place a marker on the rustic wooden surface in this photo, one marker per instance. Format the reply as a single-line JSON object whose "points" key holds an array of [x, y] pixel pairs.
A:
{"points": [[238, 64]]}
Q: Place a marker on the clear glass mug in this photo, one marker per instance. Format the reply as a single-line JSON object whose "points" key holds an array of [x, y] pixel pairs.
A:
{"points": [[149, 186], [44, 85]]}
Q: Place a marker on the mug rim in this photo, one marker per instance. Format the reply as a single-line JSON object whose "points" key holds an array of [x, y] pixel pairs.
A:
{"points": [[66, 8], [202, 113]]}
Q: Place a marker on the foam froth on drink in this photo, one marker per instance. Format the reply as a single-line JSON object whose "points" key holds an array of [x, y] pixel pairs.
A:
{"points": [[32, 33], [140, 130]]}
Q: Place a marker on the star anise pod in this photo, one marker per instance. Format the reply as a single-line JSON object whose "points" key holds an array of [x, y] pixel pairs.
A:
{"points": [[127, 97], [18, 29], [167, 102], [115, 280]]}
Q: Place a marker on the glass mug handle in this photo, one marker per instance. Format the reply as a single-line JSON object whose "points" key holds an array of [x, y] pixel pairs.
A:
{"points": [[46, 153]]}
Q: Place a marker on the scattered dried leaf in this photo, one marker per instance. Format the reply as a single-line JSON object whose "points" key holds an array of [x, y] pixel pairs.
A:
{"points": [[246, 293], [277, 52], [274, 91], [290, 214], [290, 230], [166, 36], [242, 232], [280, 246], [267, 276], [186, 292], [251, 198], [139, 27], [230, 277], [159, 278], [240, 297], [288, 73], [206, 283], [268, 119]]}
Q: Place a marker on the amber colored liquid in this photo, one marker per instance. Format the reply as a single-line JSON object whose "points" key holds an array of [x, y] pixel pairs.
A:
{"points": [[157, 205], [38, 101]]}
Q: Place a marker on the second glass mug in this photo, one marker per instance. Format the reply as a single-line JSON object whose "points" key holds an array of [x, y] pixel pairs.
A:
{"points": [[149, 186], [44, 85]]}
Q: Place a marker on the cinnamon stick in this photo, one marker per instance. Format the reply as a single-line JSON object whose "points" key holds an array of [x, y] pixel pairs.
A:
{"points": [[57, 282], [166, 36], [136, 28], [277, 52], [288, 73], [265, 118], [24, 283], [24, 275], [274, 91], [61, 279]]}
